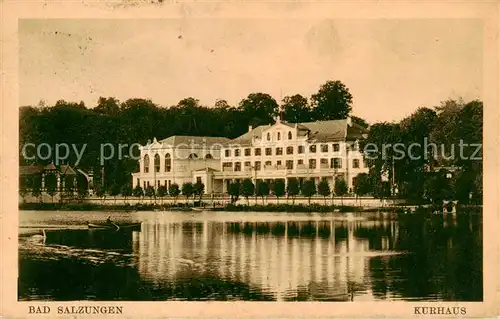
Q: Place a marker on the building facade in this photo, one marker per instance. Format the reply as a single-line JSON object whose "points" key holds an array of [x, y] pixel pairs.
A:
{"points": [[314, 150]]}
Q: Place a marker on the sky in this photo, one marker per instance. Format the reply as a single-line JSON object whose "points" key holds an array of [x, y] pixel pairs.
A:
{"points": [[391, 67]]}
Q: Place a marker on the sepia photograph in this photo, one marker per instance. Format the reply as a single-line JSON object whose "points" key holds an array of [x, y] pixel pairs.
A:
{"points": [[298, 160]]}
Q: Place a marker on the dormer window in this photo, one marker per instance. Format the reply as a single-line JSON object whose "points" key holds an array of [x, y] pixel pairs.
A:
{"points": [[289, 135]]}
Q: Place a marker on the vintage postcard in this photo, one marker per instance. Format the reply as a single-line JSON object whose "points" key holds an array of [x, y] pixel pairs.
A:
{"points": [[263, 159]]}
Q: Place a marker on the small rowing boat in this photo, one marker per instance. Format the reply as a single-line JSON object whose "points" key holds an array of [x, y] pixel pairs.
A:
{"points": [[115, 226]]}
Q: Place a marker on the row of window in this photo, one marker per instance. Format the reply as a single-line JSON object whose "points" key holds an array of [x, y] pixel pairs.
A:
{"points": [[168, 162], [268, 151], [312, 164], [278, 136]]}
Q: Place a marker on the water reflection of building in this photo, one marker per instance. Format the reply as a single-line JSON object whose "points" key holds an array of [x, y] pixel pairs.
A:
{"points": [[326, 259]]}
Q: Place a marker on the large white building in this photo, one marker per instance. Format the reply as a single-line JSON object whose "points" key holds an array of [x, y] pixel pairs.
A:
{"points": [[312, 150]]}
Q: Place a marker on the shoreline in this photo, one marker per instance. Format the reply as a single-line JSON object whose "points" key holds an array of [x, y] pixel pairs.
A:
{"points": [[286, 208]]}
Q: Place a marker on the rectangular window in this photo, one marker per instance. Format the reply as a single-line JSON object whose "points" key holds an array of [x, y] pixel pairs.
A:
{"points": [[289, 164], [312, 163], [324, 148], [198, 179], [169, 183], [312, 149], [278, 163], [336, 147], [279, 150], [257, 165], [289, 150], [257, 152], [269, 151], [247, 164], [227, 165], [237, 167], [300, 162], [268, 163], [247, 151], [355, 163], [158, 186], [324, 161], [237, 152], [146, 169], [227, 153], [300, 149], [337, 163]]}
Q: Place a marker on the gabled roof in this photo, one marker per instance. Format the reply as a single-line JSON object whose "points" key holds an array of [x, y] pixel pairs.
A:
{"points": [[187, 141], [246, 139], [50, 167], [30, 169], [67, 170], [319, 131]]}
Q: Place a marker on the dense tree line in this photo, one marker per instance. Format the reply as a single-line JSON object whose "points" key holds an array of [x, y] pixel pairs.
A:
{"points": [[445, 161], [425, 175], [139, 120]]}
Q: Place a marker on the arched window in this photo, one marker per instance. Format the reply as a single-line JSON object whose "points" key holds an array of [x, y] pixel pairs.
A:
{"points": [[146, 163], [208, 156], [193, 156], [289, 135], [157, 163], [168, 162], [268, 136]]}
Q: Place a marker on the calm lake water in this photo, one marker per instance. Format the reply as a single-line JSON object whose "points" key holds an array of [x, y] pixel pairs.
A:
{"points": [[251, 256]]}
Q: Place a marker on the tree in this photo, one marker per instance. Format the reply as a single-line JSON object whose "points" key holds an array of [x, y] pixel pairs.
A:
{"points": [[51, 185], [107, 106], [126, 190], [100, 191], [69, 186], [332, 102], [278, 188], [361, 122], [82, 186], [114, 190], [36, 189], [234, 191], [324, 189], [247, 188], [149, 192], [362, 184], [262, 190], [174, 191], [308, 189], [296, 109], [292, 188], [187, 190], [199, 189], [381, 189], [340, 189], [438, 187], [138, 191], [24, 185], [259, 108], [162, 192]]}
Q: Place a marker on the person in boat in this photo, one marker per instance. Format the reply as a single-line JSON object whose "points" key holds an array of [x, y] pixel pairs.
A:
{"points": [[108, 221]]}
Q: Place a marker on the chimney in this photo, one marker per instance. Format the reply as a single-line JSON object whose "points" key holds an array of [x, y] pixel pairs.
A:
{"points": [[349, 121], [250, 127]]}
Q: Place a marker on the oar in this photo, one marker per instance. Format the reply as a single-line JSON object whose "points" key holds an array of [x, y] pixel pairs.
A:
{"points": [[117, 227]]}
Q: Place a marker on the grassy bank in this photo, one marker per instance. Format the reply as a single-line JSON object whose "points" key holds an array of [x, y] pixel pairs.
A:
{"points": [[228, 208]]}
